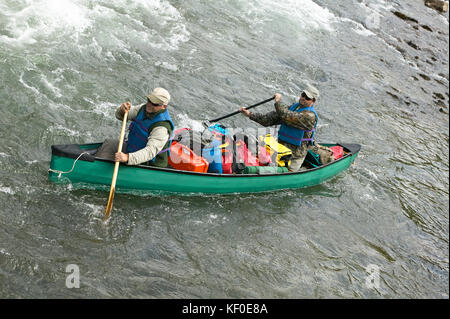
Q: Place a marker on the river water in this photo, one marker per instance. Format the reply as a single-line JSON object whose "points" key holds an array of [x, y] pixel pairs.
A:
{"points": [[379, 230]]}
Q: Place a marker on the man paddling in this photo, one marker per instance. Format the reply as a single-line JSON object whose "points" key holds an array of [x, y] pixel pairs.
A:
{"points": [[298, 126], [149, 133]]}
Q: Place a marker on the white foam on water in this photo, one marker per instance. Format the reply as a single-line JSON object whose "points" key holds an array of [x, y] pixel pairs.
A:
{"points": [[185, 121], [4, 252], [105, 108], [377, 6], [40, 18], [154, 23], [306, 13], [50, 86], [440, 77], [166, 65], [7, 190], [32, 88], [359, 28], [363, 31], [4, 155], [95, 210], [371, 174]]}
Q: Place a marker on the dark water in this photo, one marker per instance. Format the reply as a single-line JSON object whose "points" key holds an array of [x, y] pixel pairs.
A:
{"points": [[65, 67]]}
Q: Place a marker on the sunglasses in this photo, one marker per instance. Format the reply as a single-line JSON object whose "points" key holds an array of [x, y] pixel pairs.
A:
{"points": [[305, 97], [148, 100]]}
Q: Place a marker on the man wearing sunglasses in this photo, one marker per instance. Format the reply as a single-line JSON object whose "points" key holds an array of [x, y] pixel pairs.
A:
{"points": [[149, 132], [298, 125]]}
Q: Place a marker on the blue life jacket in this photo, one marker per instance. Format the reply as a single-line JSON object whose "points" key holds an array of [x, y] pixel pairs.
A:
{"points": [[294, 135], [138, 131]]}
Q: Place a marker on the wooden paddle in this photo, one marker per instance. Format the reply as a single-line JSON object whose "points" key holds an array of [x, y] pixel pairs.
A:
{"points": [[116, 170], [237, 112]]}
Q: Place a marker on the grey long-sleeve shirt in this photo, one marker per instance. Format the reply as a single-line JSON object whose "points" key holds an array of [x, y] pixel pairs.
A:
{"points": [[157, 139]]}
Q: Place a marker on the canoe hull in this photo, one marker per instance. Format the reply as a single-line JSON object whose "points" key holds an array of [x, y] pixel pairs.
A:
{"points": [[97, 174]]}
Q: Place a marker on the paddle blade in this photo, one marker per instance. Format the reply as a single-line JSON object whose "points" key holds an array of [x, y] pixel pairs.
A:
{"points": [[110, 204]]}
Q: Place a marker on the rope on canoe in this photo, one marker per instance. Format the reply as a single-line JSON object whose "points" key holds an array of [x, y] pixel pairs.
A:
{"points": [[61, 172]]}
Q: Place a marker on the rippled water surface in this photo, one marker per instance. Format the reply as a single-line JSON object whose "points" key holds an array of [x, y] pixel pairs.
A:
{"points": [[67, 64]]}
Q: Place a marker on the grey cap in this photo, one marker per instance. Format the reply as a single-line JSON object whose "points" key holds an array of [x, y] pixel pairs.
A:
{"points": [[312, 92], [159, 96]]}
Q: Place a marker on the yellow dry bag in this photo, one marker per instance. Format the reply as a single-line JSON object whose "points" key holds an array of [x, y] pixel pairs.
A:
{"points": [[279, 153]]}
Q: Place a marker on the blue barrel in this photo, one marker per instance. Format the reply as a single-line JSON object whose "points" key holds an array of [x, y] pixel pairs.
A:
{"points": [[213, 155]]}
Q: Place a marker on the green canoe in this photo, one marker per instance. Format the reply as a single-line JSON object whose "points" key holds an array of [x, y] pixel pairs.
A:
{"points": [[83, 170]]}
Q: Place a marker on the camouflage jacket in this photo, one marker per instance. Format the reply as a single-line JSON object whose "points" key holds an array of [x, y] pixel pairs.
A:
{"points": [[305, 120]]}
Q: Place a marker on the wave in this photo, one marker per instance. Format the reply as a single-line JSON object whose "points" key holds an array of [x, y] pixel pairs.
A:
{"points": [[29, 21], [54, 21], [305, 14]]}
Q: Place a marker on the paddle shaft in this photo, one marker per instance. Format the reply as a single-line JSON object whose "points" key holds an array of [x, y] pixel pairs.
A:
{"points": [[237, 112], [116, 170]]}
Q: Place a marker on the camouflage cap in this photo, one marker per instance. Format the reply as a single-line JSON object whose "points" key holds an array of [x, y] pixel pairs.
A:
{"points": [[312, 92], [159, 96]]}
